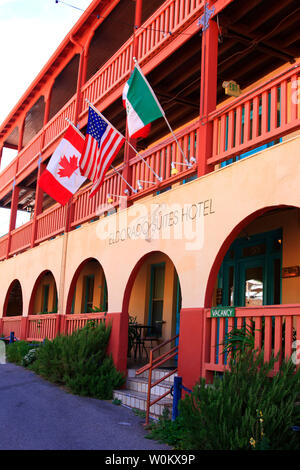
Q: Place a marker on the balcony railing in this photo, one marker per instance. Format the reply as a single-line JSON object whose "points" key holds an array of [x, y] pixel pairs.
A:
{"points": [[274, 327], [268, 112]]}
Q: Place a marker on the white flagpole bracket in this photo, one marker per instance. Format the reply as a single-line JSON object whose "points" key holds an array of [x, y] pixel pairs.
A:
{"points": [[121, 176], [139, 183], [189, 164]]}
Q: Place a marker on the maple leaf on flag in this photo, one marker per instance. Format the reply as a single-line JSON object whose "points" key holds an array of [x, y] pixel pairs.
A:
{"points": [[68, 166]]}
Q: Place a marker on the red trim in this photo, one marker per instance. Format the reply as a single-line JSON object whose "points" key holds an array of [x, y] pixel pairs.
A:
{"points": [[51, 186]]}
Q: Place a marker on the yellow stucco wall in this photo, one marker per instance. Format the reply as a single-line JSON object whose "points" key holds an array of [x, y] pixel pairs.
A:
{"points": [[224, 198], [139, 299], [38, 305], [92, 268]]}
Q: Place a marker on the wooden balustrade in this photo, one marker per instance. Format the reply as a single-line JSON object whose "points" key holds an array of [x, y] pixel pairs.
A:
{"points": [[86, 208], [8, 174], [274, 328], [21, 238], [76, 322], [58, 124], [167, 20], [3, 247], [114, 72], [31, 152], [268, 112], [161, 156], [40, 327], [51, 222], [11, 324]]}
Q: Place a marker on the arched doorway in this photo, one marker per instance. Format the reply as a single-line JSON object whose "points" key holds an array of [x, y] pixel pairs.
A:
{"points": [[44, 297], [257, 274], [248, 270], [88, 289], [13, 305], [152, 301]]}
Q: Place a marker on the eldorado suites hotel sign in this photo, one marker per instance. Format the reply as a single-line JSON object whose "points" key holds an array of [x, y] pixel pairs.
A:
{"points": [[163, 217]]}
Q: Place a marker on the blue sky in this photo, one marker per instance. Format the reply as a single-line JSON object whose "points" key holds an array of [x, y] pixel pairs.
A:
{"points": [[30, 32]]}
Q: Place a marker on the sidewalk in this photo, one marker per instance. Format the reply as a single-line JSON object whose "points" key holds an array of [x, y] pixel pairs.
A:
{"points": [[37, 415]]}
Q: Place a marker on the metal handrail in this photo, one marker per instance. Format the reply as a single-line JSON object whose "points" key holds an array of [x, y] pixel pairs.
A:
{"points": [[154, 364]]}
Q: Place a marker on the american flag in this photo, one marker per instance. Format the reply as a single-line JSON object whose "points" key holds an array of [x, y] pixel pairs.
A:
{"points": [[102, 143]]}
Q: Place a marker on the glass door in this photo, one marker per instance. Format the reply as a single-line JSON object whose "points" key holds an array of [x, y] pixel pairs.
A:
{"points": [[252, 286]]}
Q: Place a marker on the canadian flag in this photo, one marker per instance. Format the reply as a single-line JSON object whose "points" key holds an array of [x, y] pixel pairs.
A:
{"points": [[62, 177]]}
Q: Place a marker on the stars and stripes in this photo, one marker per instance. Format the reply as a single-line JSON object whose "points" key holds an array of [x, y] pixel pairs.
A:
{"points": [[102, 143]]}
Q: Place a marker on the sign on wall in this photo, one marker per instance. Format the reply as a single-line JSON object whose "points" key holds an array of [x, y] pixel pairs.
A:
{"points": [[222, 312]]}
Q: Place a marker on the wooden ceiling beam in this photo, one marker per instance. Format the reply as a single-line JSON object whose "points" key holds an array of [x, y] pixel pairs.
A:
{"points": [[261, 46]]}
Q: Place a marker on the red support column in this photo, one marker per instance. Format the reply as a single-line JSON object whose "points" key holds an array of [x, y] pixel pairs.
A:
{"points": [[208, 94], [81, 72], [24, 326], [13, 215], [128, 151], [38, 204], [190, 353]]}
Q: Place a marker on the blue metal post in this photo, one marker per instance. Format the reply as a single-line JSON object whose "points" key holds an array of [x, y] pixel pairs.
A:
{"points": [[11, 337], [177, 393]]}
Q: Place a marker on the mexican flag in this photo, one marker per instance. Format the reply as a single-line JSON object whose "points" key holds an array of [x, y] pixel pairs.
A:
{"points": [[141, 104], [62, 176]]}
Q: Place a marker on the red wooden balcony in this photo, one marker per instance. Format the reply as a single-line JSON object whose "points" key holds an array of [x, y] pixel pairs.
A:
{"points": [[268, 112], [275, 328]]}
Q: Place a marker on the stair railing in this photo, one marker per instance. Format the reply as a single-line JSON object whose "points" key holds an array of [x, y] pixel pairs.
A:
{"points": [[154, 363]]}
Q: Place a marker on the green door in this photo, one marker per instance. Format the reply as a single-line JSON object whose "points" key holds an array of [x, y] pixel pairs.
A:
{"points": [[250, 273]]}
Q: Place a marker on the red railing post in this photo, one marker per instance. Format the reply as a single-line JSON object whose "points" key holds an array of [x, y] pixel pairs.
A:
{"points": [[1, 326], [57, 325], [24, 328], [208, 94], [13, 215]]}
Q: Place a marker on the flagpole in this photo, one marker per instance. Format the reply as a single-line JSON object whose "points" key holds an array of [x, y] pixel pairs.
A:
{"points": [[121, 176], [162, 111], [130, 145], [74, 127]]}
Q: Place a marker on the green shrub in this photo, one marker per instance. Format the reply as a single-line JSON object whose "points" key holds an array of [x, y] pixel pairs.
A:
{"points": [[166, 431], [80, 362], [16, 351], [245, 408]]}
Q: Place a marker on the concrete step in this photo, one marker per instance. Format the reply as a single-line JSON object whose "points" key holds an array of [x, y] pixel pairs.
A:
{"points": [[138, 400], [135, 394], [138, 384], [156, 374]]}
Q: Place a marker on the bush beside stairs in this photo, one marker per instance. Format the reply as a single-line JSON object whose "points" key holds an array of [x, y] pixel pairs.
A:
{"points": [[135, 393]]}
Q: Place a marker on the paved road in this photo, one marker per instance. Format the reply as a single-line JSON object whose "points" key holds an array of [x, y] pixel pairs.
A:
{"points": [[37, 415]]}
